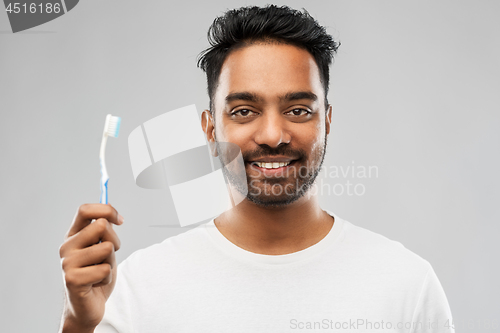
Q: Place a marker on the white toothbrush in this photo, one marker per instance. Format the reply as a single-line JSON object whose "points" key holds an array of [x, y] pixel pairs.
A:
{"points": [[111, 128]]}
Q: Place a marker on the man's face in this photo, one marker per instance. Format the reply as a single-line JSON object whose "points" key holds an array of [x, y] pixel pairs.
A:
{"points": [[270, 102]]}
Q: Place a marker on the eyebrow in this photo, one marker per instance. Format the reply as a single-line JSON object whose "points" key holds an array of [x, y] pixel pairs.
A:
{"points": [[242, 96], [299, 95], [251, 97]]}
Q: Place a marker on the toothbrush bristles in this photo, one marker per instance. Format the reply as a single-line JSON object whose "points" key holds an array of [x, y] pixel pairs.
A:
{"points": [[113, 127]]}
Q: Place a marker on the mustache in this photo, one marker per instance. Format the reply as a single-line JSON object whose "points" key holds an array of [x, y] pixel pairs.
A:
{"points": [[265, 151]]}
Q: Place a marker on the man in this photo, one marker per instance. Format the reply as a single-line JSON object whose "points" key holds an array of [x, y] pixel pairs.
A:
{"points": [[276, 262]]}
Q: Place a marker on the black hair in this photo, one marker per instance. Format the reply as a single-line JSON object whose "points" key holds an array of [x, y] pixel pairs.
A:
{"points": [[247, 25]]}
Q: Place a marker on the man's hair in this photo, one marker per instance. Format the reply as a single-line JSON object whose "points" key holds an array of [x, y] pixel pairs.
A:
{"points": [[246, 25]]}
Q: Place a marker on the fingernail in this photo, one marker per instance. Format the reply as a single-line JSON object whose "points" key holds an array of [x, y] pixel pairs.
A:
{"points": [[120, 219]]}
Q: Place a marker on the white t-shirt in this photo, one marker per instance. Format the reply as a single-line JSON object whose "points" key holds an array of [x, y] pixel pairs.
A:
{"points": [[353, 280]]}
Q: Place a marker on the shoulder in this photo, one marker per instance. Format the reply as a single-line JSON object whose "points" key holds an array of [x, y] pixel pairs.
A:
{"points": [[377, 251], [386, 269], [178, 249]]}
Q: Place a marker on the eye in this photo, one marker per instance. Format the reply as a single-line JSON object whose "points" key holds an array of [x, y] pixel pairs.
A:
{"points": [[298, 112], [242, 113]]}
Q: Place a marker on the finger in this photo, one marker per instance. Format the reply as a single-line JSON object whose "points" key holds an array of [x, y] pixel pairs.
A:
{"points": [[111, 260], [92, 255], [111, 236], [90, 235], [88, 212], [100, 230], [86, 276]]}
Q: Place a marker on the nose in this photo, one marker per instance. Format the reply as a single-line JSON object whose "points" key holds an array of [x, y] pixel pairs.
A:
{"points": [[272, 130]]}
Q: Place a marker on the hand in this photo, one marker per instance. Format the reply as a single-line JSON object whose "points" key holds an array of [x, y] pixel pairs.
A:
{"points": [[89, 266]]}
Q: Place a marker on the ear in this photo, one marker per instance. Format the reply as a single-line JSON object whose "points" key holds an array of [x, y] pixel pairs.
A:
{"points": [[328, 119], [208, 126]]}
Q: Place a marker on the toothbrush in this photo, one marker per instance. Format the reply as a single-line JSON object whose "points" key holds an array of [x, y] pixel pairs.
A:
{"points": [[111, 128]]}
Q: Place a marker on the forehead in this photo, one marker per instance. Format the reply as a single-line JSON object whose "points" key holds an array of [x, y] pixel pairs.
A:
{"points": [[269, 70]]}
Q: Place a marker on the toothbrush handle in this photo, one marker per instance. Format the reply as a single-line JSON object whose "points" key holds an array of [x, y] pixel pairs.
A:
{"points": [[104, 191], [104, 182]]}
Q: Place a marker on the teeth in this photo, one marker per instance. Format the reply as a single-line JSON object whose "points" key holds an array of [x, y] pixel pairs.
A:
{"points": [[272, 165]]}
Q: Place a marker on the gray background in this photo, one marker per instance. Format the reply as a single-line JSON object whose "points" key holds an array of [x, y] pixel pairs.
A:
{"points": [[414, 90]]}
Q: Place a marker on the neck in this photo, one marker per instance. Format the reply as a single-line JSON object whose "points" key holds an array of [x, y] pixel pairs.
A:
{"points": [[275, 230]]}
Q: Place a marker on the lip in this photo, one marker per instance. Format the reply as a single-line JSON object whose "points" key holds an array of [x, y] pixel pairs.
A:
{"points": [[270, 159]]}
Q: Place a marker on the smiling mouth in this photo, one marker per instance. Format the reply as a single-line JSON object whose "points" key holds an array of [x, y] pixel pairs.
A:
{"points": [[271, 165]]}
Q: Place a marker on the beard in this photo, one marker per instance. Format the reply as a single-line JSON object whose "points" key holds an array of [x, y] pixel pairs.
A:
{"points": [[282, 189]]}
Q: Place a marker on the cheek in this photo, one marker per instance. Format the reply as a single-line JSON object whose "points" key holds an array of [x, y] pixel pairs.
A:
{"points": [[239, 135], [313, 138], [317, 149], [220, 130]]}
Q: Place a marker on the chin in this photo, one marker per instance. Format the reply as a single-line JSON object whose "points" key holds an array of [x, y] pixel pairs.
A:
{"points": [[275, 203]]}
